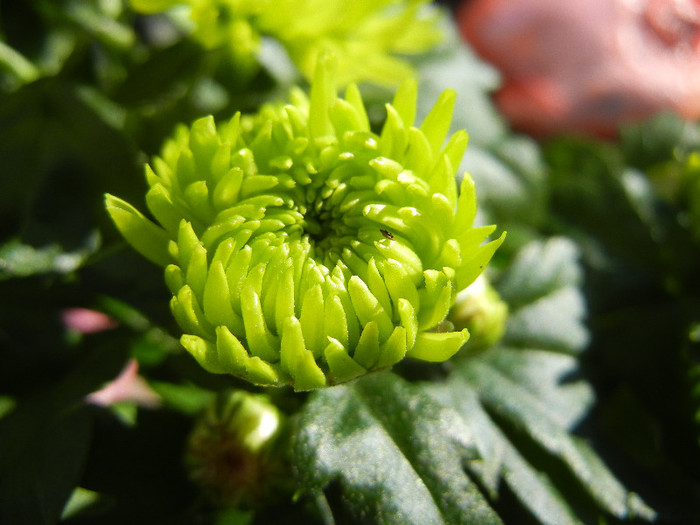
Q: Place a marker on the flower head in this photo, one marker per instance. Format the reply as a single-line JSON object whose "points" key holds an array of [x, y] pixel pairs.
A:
{"points": [[368, 37], [302, 248]]}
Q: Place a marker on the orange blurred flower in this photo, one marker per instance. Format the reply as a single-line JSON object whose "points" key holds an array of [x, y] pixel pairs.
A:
{"points": [[587, 67]]}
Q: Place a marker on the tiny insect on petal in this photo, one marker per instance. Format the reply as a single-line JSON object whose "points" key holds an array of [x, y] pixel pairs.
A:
{"points": [[387, 234]]}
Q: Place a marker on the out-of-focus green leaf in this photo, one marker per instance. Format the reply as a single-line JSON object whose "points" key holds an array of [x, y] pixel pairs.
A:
{"points": [[79, 500], [188, 399], [546, 304], [43, 459], [654, 142], [598, 205], [21, 260], [92, 18], [7, 404]]}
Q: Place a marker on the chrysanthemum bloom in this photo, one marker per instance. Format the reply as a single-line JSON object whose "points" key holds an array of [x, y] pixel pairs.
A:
{"points": [[369, 38], [302, 248]]}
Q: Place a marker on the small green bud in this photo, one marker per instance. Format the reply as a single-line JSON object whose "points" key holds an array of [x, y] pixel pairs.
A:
{"points": [[480, 309], [234, 452], [302, 248]]}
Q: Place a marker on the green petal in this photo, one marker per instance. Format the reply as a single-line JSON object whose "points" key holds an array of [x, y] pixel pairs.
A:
{"points": [[147, 238], [231, 352], [186, 168], [197, 196], [354, 97], [345, 117], [236, 272], [217, 300], [436, 299], [204, 352], [336, 322], [419, 156], [342, 367], [322, 96], [471, 268], [222, 231], [261, 372], [437, 347], [297, 360], [187, 242], [466, 205], [394, 349], [204, 141], [284, 306], [437, 123], [311, 320], [409, 321], [228, 188], [174, 278], [377, 286], [367, 349], [441, 180], [394, 136], [196, 274], [455, 148], [159, 201], [398, 284], [405, 101], [261, 341], [367, 307], [189, 315]]}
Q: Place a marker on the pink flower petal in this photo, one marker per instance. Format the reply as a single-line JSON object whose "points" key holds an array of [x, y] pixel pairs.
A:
{"points": [[128, 386], [86, 321], [588, 66]]}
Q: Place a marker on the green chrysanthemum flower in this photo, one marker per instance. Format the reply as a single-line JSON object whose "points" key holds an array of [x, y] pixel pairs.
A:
{"points": [[368, 37], [303, 249]]}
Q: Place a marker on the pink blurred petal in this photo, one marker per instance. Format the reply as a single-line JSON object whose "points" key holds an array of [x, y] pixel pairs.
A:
{"points": [[588, 66], [86, 321], [128, 386]]}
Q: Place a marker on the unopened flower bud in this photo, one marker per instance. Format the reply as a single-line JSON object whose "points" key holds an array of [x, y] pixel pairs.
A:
{"points": [[234, 453], [480, 309]]}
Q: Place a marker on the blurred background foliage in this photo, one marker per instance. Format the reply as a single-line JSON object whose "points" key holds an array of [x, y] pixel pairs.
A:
{"points": [[586, 409]]}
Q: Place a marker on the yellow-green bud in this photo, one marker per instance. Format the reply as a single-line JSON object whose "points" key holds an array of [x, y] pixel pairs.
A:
{"points": [[480, 309]]}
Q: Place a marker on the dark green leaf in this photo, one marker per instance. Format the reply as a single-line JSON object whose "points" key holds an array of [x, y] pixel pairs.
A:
{"points": [[527, 416], [42, 462], [395, 453], [522, 400], [502, 460]]}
